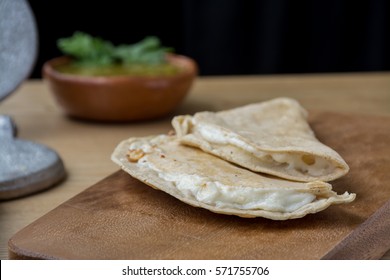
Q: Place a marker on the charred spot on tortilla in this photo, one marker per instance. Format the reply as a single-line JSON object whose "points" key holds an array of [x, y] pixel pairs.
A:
{"points": [[134, 155]]}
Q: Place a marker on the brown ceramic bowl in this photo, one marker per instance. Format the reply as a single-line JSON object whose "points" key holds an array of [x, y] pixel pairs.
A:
{"points": [[120, 98]]}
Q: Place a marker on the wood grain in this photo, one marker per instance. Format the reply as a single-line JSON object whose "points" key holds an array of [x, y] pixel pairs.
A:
{"points": [[85, 147], [121, 218], [369, 241]]}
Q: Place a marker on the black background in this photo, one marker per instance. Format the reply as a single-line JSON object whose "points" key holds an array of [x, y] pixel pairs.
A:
{"points": [[232, 37]]}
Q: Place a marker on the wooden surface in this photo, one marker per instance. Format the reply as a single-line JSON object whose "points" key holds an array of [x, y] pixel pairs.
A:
{"points": [[86, 147], [122, 218]]}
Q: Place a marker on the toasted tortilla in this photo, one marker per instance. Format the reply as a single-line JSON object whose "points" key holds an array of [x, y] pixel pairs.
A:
{"points": [[203, 180], [272, 137]]}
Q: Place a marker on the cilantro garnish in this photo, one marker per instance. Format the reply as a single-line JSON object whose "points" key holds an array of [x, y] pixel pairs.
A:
{"points": [[89, 50]]}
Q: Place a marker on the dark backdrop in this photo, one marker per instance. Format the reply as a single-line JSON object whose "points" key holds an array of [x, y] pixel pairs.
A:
{"points": [[229, 37]]}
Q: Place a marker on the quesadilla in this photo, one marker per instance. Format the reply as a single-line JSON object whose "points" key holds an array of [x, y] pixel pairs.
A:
{"points": [[271, 137], [203, 180]]}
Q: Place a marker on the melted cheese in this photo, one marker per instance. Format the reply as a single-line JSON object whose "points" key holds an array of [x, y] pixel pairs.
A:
{"points": [[217, 194]]}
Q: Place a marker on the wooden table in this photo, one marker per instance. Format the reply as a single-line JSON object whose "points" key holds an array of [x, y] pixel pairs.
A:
{"points": [[86, 147]]}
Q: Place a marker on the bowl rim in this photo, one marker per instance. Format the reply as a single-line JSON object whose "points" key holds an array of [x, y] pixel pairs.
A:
{"points": [[190, 69]]}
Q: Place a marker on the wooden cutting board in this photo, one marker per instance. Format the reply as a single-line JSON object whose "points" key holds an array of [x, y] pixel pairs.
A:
{"points": [[121, 218]]}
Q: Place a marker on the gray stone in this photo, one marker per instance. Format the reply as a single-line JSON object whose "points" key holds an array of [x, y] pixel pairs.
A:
{"points": [[18, 44], [25, 167]]}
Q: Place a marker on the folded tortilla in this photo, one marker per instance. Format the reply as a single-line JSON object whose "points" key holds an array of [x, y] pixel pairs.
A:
{"points": [[203, 180], [272, 137]]}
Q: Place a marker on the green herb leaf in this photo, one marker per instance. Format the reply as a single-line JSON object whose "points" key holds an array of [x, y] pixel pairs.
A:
{"points": [[88, 50], [147, 51]]}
